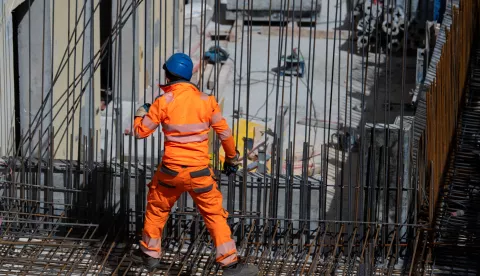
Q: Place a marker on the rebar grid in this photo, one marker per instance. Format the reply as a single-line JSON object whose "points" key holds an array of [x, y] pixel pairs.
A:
{"points": [[43, 241], [277, 251]]}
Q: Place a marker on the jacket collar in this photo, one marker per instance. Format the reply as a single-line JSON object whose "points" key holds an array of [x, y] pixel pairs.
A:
{"points": [[172, 86]]}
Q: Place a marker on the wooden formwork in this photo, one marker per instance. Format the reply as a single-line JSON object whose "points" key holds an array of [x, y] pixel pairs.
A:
{"points": [[444, 96], [437, 116]]}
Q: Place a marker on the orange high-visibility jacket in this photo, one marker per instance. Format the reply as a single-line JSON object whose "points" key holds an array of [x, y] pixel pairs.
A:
{"points": [[186, 115]]}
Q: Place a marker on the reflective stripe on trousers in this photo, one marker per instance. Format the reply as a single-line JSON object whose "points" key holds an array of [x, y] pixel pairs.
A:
{"points": [[151, 246], [226, 253]]}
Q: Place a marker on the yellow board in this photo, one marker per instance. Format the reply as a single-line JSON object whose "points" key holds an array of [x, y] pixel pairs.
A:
{"points": [[241, 127]]}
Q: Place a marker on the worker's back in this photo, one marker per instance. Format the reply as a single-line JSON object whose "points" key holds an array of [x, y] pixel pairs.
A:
{"points": [[186, 115], [186, 123]]}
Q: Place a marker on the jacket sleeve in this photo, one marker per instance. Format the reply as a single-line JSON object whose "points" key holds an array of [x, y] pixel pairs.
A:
{"points": [[219, 124], [145, 126]]}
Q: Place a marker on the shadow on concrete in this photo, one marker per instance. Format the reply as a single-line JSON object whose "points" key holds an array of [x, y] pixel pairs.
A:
{"points": [[384, 86]]}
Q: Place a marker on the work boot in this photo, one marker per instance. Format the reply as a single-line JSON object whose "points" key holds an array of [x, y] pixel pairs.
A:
{"points": [[139, 257], [240, 269]]}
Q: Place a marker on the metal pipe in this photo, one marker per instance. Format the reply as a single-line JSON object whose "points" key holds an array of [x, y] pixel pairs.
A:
{"points": [[394, 45]]}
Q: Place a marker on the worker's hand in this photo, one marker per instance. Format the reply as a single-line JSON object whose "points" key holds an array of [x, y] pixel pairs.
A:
{"points": [[231, 164], [143, 110]]}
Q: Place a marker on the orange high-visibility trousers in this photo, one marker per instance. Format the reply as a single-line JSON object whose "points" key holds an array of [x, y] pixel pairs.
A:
{"points": [[168, 183]]}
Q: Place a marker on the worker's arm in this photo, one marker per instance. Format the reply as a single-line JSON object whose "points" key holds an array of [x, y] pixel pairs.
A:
{"points": [[219, 124], [146, 123]]}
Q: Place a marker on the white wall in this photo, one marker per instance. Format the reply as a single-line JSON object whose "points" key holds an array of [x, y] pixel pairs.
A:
{"points": [[44, 75], [50, 65], [7, 96]]}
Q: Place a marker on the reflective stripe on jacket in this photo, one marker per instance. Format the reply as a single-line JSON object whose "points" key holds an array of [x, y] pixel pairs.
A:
{"points": [[186, 115]]}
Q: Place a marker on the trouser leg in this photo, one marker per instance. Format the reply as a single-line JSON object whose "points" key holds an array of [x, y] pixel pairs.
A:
{"points": [[209, 201], [160, 201]]}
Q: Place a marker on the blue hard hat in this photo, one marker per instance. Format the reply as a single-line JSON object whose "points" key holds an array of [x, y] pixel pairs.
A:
{"points": [[179, 65]]}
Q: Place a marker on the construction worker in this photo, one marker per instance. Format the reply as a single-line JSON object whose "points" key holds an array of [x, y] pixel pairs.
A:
{"points": [[186, 115]]}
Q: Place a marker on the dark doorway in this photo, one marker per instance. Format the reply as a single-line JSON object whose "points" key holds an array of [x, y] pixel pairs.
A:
{"points": [[17, 16], [106, 70]]}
